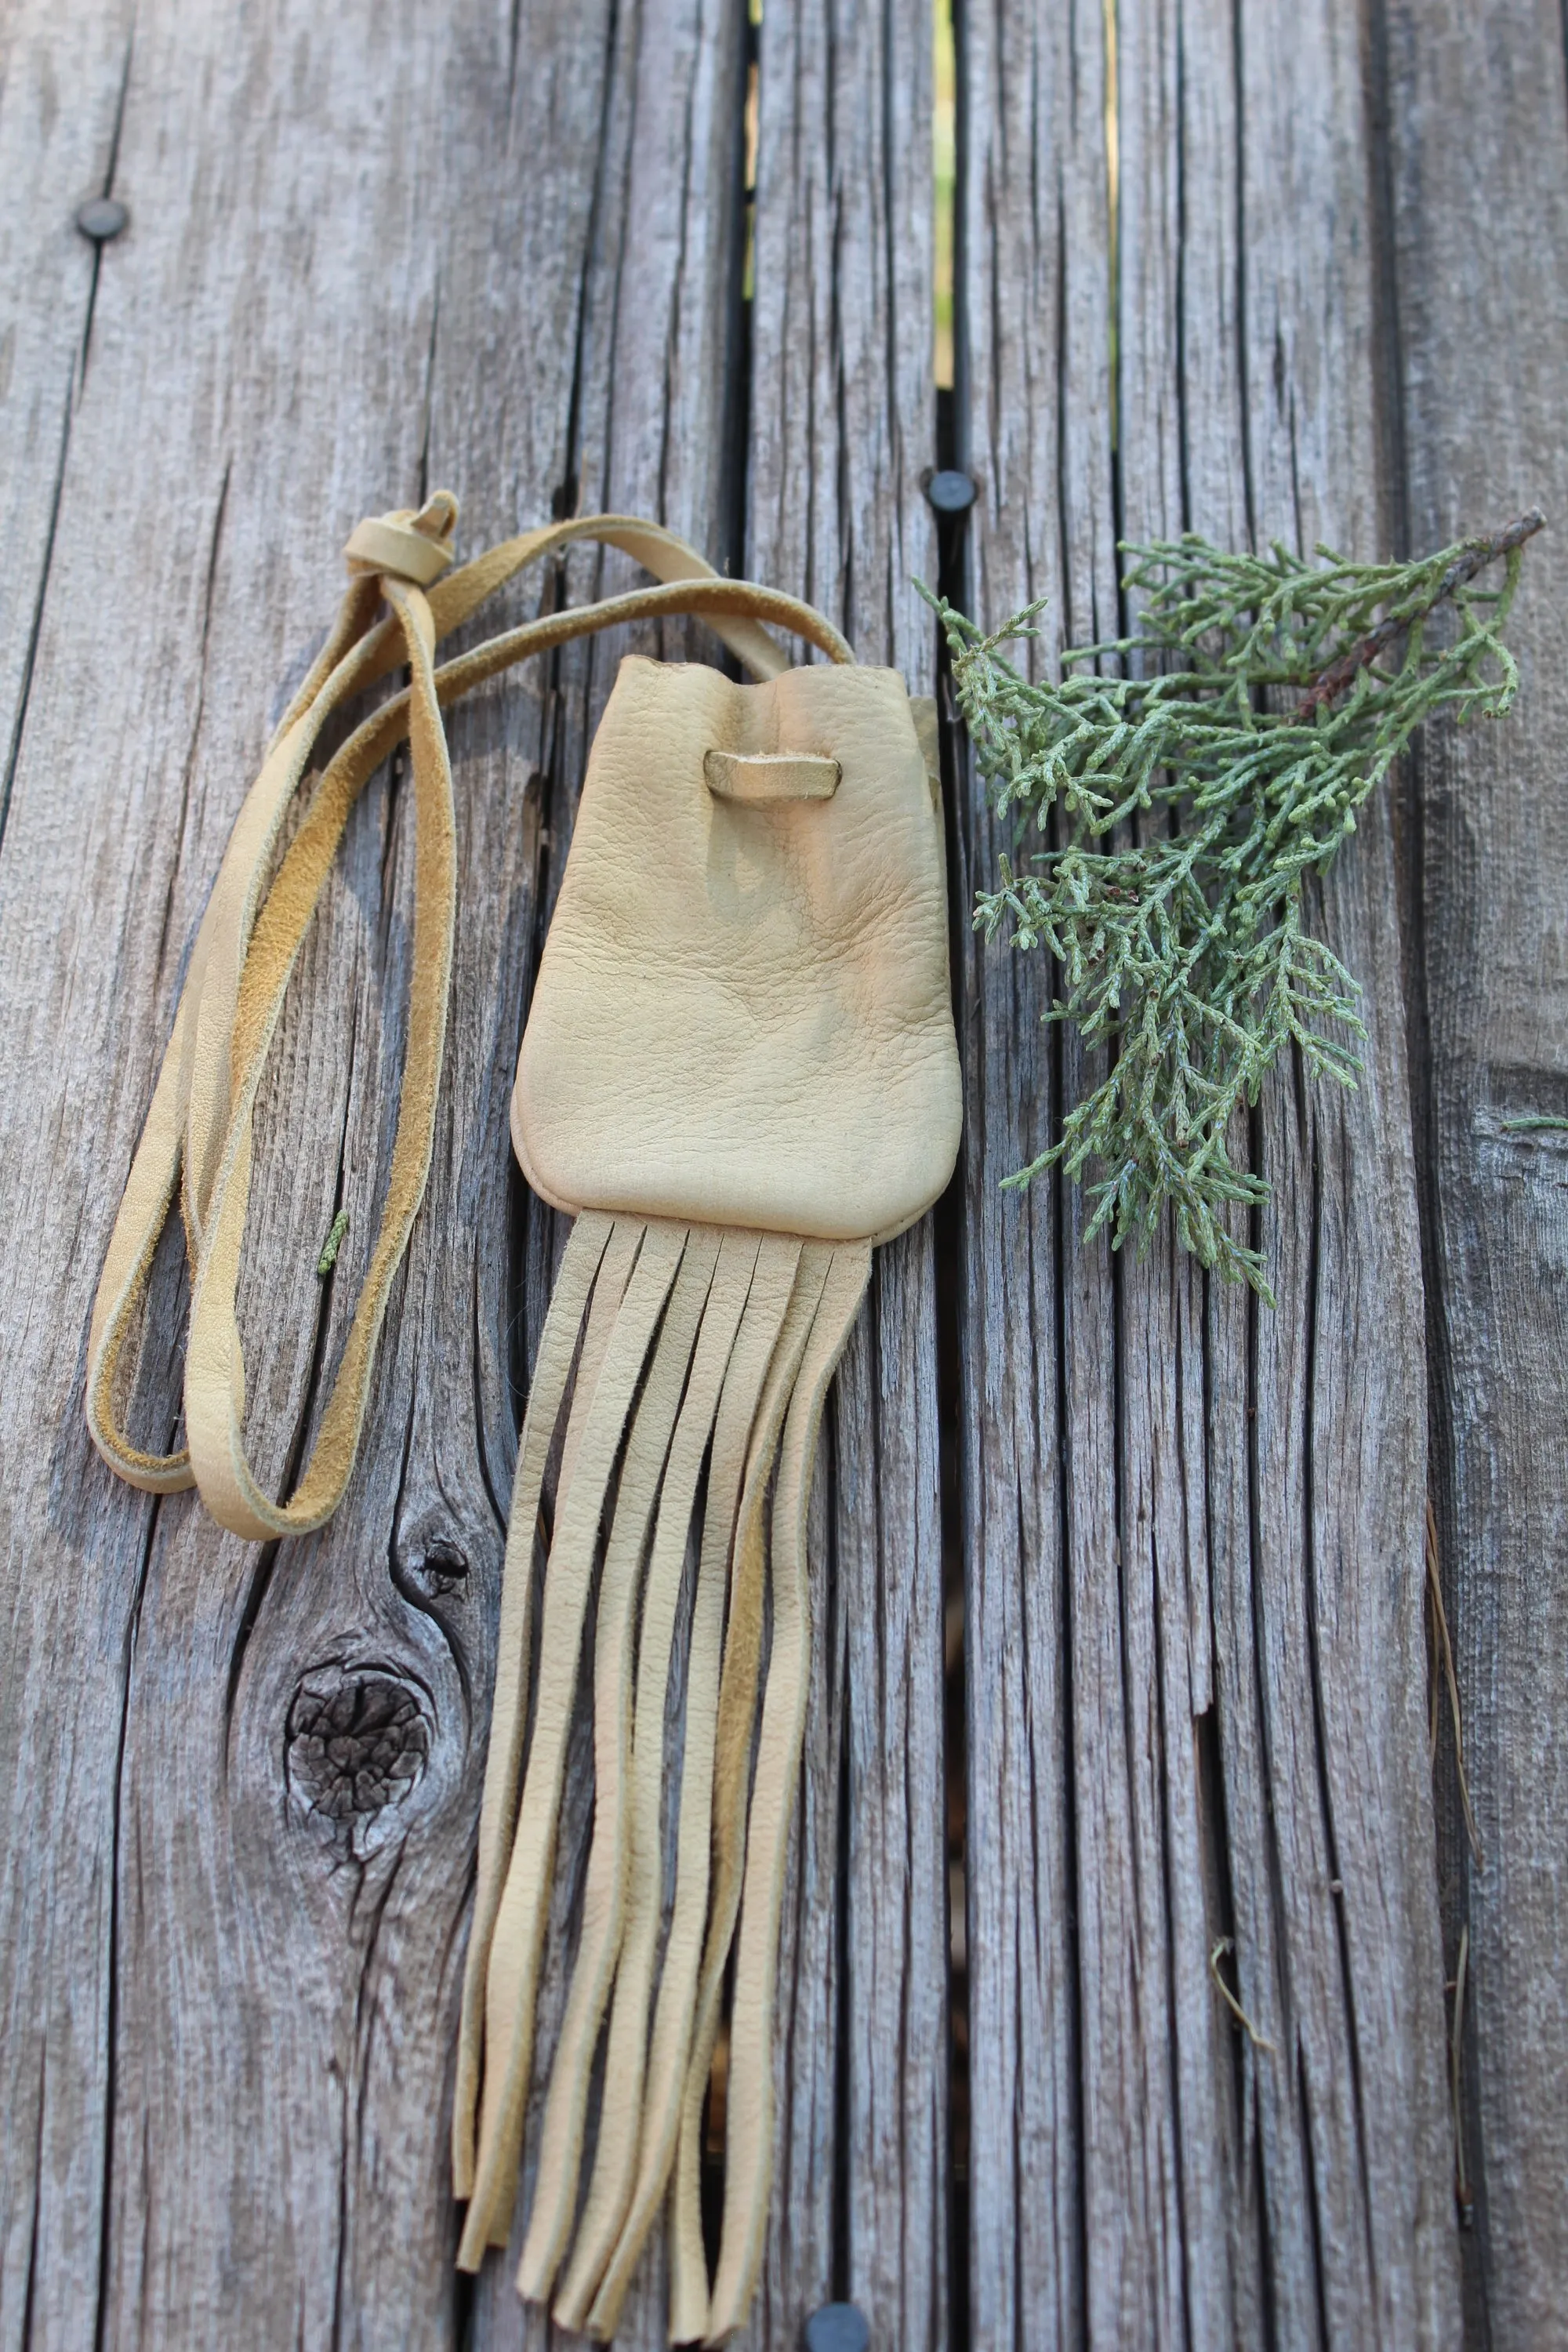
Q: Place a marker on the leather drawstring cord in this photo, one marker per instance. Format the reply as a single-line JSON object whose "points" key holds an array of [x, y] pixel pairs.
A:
{"points": [[197, 1140]]}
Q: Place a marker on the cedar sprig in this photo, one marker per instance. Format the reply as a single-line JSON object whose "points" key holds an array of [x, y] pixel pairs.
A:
{"points": [[1190, 778]]}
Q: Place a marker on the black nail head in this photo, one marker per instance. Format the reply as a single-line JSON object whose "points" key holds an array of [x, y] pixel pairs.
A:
{"points": [[839, 2326], [951, 494], [102, 219]]}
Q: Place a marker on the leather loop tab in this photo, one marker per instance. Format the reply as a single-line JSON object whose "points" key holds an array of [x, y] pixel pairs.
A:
{"points": [[761, 777], [406, 545]]}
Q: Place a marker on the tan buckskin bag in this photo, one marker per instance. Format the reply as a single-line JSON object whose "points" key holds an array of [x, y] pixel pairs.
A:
{"points": [[739, 1072]]}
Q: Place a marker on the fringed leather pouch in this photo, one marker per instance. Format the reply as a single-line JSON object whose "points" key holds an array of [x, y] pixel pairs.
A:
{"points": [[739, 1073]]}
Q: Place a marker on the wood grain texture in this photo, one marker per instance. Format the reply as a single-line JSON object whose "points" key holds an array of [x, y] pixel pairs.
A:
{"points": [[142, 1638], [61, 92], [842, 423], [375, 251], [231, 1965], [644, 402], [1193, 1527], [1480, 133]]}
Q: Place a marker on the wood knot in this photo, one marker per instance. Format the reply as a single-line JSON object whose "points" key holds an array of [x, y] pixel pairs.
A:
{"points": [[444, 1566], [358, 1743]]}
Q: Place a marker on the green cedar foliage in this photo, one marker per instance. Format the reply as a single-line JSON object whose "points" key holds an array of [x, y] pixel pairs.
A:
{"points": [[1188, 780]]}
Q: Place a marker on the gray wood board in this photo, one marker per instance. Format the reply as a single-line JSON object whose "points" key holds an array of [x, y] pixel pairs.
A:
{"points": [[347, 279], [382, 250], [1479, 313], [841, 430], [1193, 1526]]}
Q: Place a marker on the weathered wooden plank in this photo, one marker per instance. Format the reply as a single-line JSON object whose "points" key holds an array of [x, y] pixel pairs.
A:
{"points": [[107, 1725], [59, 108], [60, 94], [1193, 1527], [649, 421], [349, 278], [1033, 259], [270, 2029], [842, 423], [1478, 180], [283, 2011]]}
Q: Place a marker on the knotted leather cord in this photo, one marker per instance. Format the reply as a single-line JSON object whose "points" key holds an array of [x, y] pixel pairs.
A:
{"points": [[199, 1124]]}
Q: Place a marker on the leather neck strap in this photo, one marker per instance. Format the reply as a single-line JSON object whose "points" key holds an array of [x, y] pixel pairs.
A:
{"points": [[199, 1127]]}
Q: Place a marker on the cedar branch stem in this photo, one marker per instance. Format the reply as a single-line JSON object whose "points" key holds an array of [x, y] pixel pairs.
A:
{"points": [[1332, 682], [1258, 2041]]}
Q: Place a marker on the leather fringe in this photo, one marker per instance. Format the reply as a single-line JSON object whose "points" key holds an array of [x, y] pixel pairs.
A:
{"points": [[695, 1347]]}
